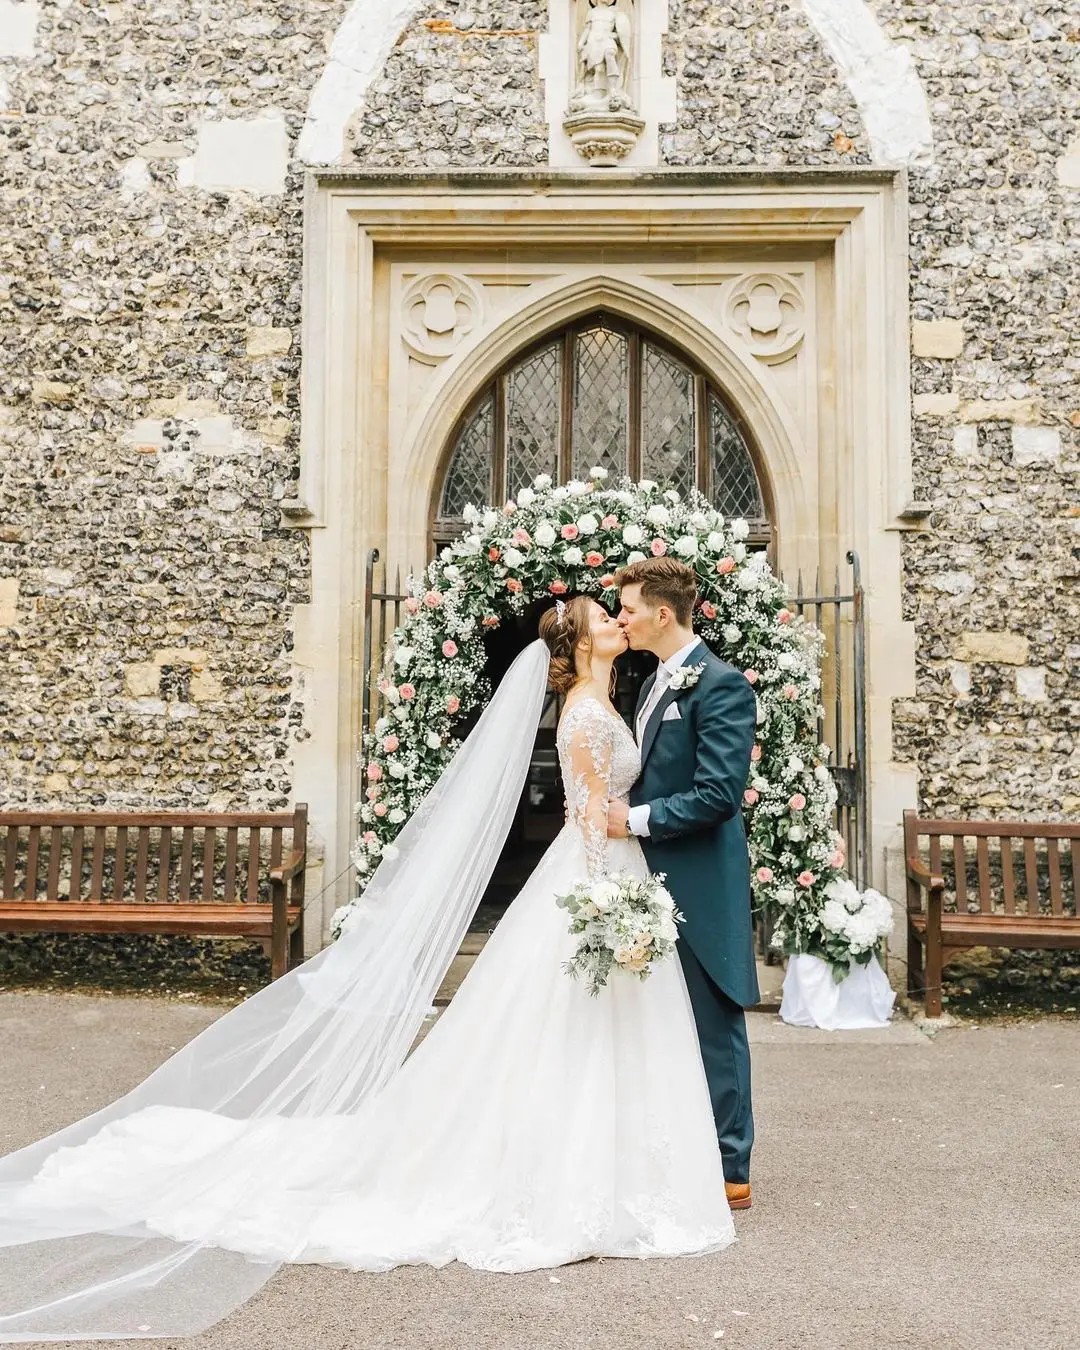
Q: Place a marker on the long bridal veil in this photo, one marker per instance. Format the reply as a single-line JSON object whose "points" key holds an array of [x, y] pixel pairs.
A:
{"points": [[318, 1042]]}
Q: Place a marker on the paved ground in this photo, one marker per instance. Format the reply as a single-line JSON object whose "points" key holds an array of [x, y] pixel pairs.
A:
{"points": [[909, 1192]]}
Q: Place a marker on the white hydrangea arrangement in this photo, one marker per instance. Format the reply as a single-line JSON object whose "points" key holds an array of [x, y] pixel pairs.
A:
{"points": [[571, 538], [623, 922]]}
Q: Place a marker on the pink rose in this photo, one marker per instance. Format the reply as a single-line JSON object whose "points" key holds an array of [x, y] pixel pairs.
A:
{"points": [[490, 621], [797, 802], [513, 585], [412, 605], [380, 809], [390, 745], [509, 508], [569, 531], [433, 599], [453, 703], [750, 796], [494, 555], [374, 772], [790, 691], [558, 587], [407, 691], [658, 548], [372, 792], [594, 559], [609, 522], [370, 837], [725, 565], [449, 648], [708, 609], [522, 537], [755, 754], [764, 874], [806, 878], [751, 675], [607, 581], [837, 859], [784, 616]]}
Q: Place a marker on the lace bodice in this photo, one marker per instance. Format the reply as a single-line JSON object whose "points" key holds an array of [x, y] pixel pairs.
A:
{"points": [[599, 760]]}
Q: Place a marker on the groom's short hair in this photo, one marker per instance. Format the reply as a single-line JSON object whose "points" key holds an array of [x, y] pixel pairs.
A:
{"points": [[663, 581]]}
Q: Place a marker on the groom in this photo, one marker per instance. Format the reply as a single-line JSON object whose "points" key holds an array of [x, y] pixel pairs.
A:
{"points": [[695, 726]]}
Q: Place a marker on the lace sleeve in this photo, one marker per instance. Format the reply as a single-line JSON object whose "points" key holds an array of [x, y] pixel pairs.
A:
{"points": [[590, 743]]}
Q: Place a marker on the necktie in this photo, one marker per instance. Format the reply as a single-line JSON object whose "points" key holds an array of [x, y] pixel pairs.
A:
{"points": [[656, 693]]}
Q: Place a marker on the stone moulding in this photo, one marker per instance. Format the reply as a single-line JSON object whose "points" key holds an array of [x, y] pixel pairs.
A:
{"points": [[603, 138]]}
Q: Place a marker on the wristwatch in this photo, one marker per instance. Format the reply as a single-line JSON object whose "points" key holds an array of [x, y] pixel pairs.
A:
{"points": [[629, 831]]}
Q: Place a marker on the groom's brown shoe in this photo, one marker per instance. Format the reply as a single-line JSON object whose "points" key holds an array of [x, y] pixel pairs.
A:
{"points": [[738, 1194]]}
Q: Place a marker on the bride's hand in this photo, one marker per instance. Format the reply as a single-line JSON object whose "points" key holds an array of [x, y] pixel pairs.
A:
{"points": [[617, 815]]}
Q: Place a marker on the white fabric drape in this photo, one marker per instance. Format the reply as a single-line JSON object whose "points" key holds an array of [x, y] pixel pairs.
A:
{"points": [[812, 998], [317, 1042]]}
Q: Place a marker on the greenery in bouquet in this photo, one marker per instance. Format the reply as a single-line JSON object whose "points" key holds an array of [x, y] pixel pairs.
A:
{"points": [[624, 922]]}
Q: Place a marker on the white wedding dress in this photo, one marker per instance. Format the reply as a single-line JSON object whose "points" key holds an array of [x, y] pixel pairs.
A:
{"points": [[535, 1125]]}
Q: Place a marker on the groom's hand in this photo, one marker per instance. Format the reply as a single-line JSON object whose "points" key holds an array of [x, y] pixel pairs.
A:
{"points": [[617, 815]]}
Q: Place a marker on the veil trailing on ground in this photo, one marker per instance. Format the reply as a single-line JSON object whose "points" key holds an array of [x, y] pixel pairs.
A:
{"points": [[317, 1043]]}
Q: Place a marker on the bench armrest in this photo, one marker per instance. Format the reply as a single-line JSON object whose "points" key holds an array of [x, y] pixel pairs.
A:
{"points": [[288, 867], [918, 871]]}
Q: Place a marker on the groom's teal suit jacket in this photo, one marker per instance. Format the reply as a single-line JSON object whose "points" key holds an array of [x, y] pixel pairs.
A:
{"points": [[693, 773]]}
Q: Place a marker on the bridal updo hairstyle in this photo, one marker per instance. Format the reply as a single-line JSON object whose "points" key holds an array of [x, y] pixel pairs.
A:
{"points": [[663, 581], [562, 632]]}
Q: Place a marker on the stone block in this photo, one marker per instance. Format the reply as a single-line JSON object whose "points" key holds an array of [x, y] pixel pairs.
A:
{"points": [[1068, 166], [941, 338], [268, 341], [238, 154], [205, 688], [935, 405], [171, 656], [1018, 410], [1035, 445], [142, 680], [18, 27], [1031, 683], [51, 391], [9, 601], [276, 428], [966, 442], [960, 677], [1007, 649]]}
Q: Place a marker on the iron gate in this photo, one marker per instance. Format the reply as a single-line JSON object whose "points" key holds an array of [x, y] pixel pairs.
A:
{"points": [[838, 613]]}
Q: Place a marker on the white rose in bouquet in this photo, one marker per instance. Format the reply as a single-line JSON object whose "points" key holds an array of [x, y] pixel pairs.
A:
{"points": [[573, 556], [576, 488], [402, 657], [491, 519], [604, 894], [664, 899], [739, 529], [588, 524], [542, 482], [834, 916], [633, 535], [598, 473], [526, 496], [512, 557], [544, 534], [635, 556], [686, 546], [658, 515], [673, 497], [732, 634], [715, 542], [699, 521]]}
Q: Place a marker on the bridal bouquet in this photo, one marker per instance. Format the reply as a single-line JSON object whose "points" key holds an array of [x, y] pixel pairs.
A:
{"points": [[624, 921]]}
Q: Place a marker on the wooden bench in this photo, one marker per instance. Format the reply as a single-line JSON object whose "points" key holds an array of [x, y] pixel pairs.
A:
{"points": [[974, 896], [191, 872]]}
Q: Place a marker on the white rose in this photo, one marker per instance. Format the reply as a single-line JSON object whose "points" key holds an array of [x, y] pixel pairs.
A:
{"points": [[668, 930], [542, 482], [588, 525], [525, 496], [687, 546], [747, 580], [395, 768], [433, 740], [787, 661], [785, 895], [731, 634], [796, 833], [738, 552], [598, 473], [382, 726], [658, 515], [821, 773], [624, 498], [739, 529], [452, 574], [470, 544], [664, 898], [559, 494], [470, 515], [715, 542], [512, 557], [699, 520], [632, 535], [604, 894], [646, 485], [396, 816], [673, 497], [401, 712], [446, 554], [390, 852], [491, 519], [544, 534], [833, 916], [635, 557], [402, 657], [392, 696], [573, 556], [795, 764], [576, 488]]}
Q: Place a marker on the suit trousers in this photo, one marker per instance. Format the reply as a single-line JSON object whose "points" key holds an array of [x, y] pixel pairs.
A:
{"points": [[725, 1053]]}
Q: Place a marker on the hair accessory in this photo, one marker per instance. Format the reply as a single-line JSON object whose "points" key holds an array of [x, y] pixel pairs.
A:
{"points": [[560, 608]]}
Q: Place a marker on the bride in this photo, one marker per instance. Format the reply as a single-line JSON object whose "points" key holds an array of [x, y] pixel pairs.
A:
{"points": [[535, 1125]]}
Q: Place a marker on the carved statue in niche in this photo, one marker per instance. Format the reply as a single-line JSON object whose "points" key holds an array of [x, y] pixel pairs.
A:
{"points": [[603, 55], [601, 119]]}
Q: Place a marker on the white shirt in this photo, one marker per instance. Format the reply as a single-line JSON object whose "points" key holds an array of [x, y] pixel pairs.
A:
{"points": [[639, 815]]}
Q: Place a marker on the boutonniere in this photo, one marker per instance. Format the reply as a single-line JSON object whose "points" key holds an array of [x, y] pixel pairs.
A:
{"points": [[685, 677]]}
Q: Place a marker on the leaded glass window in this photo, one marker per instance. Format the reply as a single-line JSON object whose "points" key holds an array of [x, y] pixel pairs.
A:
{"points": [[600, 392]]}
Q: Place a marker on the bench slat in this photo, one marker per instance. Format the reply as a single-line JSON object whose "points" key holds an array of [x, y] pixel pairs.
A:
{"points": [[982, 855], [142, 863], [11, 855], [56, 842], [198, 819], [97, 861], [1008, 881], [87, 917], [230, 862], [186, 848], [164, 863], [935, 856], [253, 865], [1076, 875], [1031, 877], [75, 886], [1019, 829], [1001, 930], [209, 845], [33, 844], [960, 870], [1053, 867]]}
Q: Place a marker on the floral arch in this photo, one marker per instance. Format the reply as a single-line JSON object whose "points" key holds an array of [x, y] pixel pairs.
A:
{"points": [[558, 540]]}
